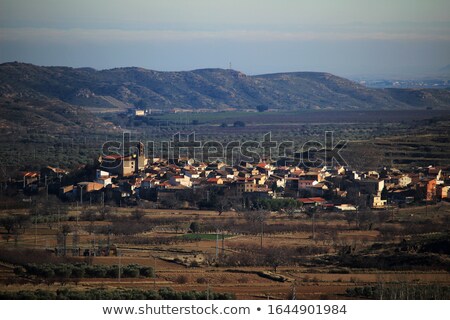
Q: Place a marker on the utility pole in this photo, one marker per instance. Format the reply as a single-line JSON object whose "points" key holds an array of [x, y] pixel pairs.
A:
{"points": [[46, 185], [357, 216], [81, 195], [217, 245], [35, 229], [154, 273], [120, 262], [93, 244], [313, 226], [223, 244], [59, 219], [262, 233]]}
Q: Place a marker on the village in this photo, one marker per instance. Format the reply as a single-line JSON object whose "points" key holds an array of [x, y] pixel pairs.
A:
{"points": [[182, 183]]}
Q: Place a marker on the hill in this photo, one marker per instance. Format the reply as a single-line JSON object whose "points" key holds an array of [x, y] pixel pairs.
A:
{"points": [[121, 88]]}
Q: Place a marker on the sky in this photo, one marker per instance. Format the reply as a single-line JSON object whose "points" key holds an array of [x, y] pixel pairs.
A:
{"points": [[344, 37]]}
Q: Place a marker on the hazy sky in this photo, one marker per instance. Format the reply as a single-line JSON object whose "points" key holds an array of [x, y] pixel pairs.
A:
{"points": [[346, 37]]}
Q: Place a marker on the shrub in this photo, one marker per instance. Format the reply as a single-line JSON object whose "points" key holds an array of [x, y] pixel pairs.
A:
{"points": [[131, 271], [46, 272], [19, 271], [195, 227], [202, 280], [113, 272], [78, 271], [96, 271], [243, 280], [63, 271], [117, 294], [181, 279], [147, 272]]}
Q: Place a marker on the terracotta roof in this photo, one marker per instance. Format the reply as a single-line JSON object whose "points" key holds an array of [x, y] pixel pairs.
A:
{"points": [[31, 174], [311, 200], [306, 200], [113, 156], [261, 165], [318, 199]]}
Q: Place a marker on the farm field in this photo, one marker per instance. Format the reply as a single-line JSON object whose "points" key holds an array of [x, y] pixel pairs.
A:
{"points": [[375, 138], [293, 255]]}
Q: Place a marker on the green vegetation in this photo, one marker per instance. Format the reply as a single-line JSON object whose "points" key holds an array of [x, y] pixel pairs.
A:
{"points": [[78, 270], [117, 294], [204, 236], [278, 204], [401, 291]]}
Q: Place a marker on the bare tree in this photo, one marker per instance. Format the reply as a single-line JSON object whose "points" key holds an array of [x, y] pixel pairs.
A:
{"points": [[256, 218], [65, 230], [137, 214], [274, 257], [14, 225]]}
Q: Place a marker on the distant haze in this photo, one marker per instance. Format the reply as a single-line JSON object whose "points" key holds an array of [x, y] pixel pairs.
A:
{"points": [[346, 37]]}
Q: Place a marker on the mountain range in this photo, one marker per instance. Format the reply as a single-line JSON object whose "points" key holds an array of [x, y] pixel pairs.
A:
{"points": [[79, 90]]}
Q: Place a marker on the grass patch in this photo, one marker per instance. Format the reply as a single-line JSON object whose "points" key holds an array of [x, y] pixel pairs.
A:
{"points": [[204, 236]]}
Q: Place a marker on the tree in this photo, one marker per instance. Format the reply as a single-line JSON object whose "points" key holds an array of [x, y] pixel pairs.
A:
{"points": [[19, 271], [177, 228], [195, 227], [137, 214], [88, 215], [104, 211], [63, 273], [274, 257], [262, 108], [239, 124], [350, 217], [221, 205], [9, 223], [181, 279], [170, 202], [131, 271], [255, 218], [14, 225], [365, 219], [65, 230], [147, 272], [78, 273]]}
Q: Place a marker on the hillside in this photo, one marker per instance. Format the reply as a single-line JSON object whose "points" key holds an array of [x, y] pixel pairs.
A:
{"points": [[47, 115], [121, 88]]}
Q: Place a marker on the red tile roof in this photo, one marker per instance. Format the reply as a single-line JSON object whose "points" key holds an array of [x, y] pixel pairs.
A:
{"points": [[312, 200]]}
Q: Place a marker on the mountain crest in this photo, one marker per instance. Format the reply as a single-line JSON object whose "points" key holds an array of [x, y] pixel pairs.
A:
{"points": [[211, 88]]}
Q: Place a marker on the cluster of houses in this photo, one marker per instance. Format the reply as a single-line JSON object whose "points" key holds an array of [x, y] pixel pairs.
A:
{"points": [[132, 178]]}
